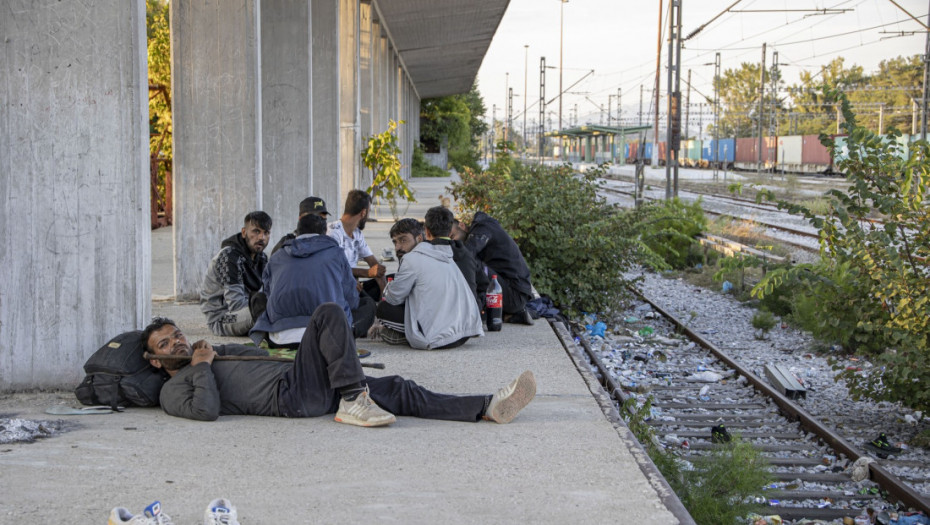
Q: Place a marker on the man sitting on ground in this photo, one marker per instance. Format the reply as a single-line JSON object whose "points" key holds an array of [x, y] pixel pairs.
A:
{"points": [[230, 295], [314, 205], [475, 273], [348, 233], [308, 271], [492, 245], [326, 377], [429, 300]]}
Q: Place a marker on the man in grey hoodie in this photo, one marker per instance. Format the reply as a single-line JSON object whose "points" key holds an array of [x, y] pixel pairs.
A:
{"points": [[325, 377], [429, 299]]}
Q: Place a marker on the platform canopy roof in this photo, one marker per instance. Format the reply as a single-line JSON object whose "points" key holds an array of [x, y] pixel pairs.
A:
{"points": [[441, 44], [587, 131]]}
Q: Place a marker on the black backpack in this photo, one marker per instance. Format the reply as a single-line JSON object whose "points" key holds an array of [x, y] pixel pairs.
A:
{"points": [[118, 375]]}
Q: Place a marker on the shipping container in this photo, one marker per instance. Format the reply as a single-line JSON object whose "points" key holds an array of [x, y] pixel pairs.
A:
{"points": [[692, 153], [725, 151], [789, 154], [661, 161], [815, 157], [647, 152], [747, 156]]}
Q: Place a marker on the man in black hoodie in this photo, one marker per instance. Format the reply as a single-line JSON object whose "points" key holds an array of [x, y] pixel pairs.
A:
{"points": [[493, 246], [230, 296]]}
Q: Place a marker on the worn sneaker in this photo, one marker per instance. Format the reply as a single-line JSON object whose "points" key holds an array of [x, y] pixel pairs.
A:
{"points": [[151, 516], [719, 434], [510, 400], [392, 336], [523, 317], [363, 412], [881, 446], [220, 512]]}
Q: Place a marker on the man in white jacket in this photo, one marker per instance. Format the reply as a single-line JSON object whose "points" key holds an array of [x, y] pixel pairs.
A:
{"points": [[429, 300]]}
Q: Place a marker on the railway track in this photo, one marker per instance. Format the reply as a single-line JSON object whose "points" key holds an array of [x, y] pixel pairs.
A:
{"points": [[812, 464]]}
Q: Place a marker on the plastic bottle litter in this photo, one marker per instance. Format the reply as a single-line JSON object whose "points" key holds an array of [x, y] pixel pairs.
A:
{"points": [[726, 287], [598, 329], [706, 377], [645, 331]]}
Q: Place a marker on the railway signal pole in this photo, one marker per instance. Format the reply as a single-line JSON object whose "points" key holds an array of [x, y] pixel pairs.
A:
{"points": [[542, 106], [761, 106], [673, 124], [716, 110]]}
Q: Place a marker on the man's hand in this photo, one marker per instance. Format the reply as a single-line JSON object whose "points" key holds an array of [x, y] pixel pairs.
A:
{"points": [[376, 271], [375, 331], [203, 353]]}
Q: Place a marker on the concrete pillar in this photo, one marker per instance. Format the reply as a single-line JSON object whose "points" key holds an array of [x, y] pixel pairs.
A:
{"points": [[325, 102], [75, 243], [366, 66], [349, 130], [287, 167], [379, 52], [217, 129]]}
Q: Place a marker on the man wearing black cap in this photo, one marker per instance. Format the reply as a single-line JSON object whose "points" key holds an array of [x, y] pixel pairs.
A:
{"points": [[314, 205]]}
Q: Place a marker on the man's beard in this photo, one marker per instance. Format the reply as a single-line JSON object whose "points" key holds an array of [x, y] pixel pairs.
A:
{"points": [[177, 364], [361, 223]]}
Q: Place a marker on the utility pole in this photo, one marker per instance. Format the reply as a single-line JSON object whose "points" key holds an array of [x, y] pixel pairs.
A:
{"points": [[542, 106], [673, 125], [761, 106], [619, 108], [716, 111], [923, 110], [506, 96], [640, 104], [688, 108], [655, 133], [493, 130], [561, 33], [610, 110], [881, 118], [773, 128], [526, 65], [509, 111]]}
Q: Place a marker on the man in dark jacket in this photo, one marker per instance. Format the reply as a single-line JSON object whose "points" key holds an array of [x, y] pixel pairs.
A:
{"points": [[494, 247], [309, 270], [326, 377], [230, 295]]}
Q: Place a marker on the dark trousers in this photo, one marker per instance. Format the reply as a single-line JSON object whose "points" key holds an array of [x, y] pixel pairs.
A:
{"points": [[363, 316], [327, 360], [514, 300]]}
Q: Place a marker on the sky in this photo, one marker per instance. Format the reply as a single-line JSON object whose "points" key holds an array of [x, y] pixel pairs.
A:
{"points": [[617, 40]]}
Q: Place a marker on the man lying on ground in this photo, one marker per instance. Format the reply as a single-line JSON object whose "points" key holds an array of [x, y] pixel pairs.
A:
{"points": [[230, 295], [326, 377]]}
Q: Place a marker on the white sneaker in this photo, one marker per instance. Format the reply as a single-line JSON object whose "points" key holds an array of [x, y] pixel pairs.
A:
{"points": [[151, 516], [363, 412], [510, 400], [220, 511]]}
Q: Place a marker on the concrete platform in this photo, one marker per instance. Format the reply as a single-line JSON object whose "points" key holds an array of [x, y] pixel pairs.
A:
{"points": [[563, 460]]}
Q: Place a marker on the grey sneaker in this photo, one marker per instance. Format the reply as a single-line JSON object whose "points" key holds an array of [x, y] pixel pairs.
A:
{"points": [[510, 400], [220, 511], [363, 412]]}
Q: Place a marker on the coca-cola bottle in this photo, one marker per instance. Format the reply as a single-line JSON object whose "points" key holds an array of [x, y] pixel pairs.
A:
{"points": [[494, 305]]}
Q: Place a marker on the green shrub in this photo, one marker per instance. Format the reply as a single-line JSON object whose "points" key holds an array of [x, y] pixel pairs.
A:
{"points": [[723, 485], [763, 321], [577, 248], [668, 229], [420, 168], [875, 276]]}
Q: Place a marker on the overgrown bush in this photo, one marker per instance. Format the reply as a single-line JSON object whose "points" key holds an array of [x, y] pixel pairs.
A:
{"points": [[876, 276], [576, 247], [668, 229], [420, 168]]}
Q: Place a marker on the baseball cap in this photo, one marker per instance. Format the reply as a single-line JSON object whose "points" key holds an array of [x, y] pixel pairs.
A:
{"points": [[313, 205]]}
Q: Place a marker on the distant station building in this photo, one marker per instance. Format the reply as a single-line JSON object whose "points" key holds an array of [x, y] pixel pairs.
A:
{"points": [[596, 144], [271, 100]]}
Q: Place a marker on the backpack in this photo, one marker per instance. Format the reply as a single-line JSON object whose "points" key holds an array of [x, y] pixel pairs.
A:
{"points": [[118, 375]]}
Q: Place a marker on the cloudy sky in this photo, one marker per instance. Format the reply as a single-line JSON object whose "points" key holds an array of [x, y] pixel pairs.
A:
{"points": [[617, 40]]}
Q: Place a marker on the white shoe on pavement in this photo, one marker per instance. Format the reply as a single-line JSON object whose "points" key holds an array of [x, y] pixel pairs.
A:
{"points": [[363, 412], [510, 400]]}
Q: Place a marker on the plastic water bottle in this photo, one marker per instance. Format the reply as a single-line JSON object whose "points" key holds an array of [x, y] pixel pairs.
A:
{"points": [[494, 305]]}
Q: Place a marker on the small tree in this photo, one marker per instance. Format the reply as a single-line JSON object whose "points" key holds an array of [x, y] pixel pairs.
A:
{"points": [[382, 156]]}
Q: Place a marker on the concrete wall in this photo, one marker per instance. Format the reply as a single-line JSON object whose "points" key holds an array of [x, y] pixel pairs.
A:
{"points": [[366, 53], [74, 224], [217, 129], [349, 132], [287, 167], [325, 100]]}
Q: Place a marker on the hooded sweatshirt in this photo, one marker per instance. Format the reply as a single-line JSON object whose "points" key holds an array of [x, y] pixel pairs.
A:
{"points": [[308, 271], [440, 307], [232, 277], [493, 246]]}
